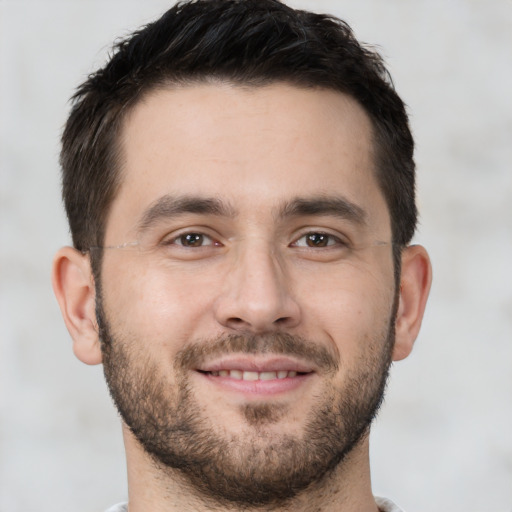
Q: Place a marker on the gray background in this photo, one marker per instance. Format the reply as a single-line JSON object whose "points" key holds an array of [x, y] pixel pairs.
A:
{"points": [[443, 440]]}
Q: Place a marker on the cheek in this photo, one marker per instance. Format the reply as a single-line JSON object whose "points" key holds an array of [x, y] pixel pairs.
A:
{"points": [[153, 304], [352, 309]]}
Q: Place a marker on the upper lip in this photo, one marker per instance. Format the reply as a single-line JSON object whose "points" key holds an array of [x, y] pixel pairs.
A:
{"points": [[256, 364]]}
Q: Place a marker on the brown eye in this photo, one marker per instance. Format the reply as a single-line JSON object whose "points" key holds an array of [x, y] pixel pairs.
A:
{"points": [[193, 240], [317, 240]]}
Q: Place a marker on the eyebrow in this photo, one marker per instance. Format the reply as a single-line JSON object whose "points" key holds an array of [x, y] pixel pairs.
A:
{"points": [[169, 206], [325, 205]]}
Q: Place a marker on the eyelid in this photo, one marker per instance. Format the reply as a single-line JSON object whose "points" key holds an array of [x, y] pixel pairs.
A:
{"points": [[171, 239], [340, 240]]}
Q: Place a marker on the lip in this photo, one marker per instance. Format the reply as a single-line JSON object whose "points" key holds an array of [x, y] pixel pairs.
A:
{"points": [[256, 388], [256, 364]]}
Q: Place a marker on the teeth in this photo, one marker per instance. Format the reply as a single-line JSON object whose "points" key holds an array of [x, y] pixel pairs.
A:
{"points": [[252, 376]]}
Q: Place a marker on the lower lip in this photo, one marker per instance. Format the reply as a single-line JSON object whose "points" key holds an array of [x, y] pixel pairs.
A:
{"points": [[258, 387]]}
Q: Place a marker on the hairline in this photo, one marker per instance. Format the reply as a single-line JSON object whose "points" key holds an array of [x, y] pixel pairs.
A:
{"points": [[169, 83]]}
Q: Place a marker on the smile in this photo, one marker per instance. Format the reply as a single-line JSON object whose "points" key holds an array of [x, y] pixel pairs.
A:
{"points": [[254, 376]]}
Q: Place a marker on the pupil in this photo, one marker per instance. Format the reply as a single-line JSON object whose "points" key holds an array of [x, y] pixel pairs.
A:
{"points": [[317, 240], [192, 240]]}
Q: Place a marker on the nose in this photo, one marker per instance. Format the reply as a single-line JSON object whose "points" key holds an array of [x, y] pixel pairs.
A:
{"points": [[256, 296]]}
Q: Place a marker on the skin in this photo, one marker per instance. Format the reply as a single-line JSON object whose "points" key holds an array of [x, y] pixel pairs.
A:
{"points": [[254, 149]]}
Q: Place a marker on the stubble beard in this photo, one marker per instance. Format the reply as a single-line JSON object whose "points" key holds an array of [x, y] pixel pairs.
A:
{"points": [[260, 466]]}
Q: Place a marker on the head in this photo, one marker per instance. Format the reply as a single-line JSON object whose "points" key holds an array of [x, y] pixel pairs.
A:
{"points": [[239, 182], [249, 43]]}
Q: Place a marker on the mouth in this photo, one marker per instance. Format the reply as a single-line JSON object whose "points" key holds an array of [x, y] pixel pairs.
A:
{"points": [[254, 377]]}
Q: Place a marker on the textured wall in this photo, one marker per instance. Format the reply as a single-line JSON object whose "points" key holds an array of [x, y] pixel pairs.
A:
{"points": [[443, 440]]}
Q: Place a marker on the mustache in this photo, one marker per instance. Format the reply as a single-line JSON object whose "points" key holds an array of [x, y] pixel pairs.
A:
{"points": [[284, 344]]}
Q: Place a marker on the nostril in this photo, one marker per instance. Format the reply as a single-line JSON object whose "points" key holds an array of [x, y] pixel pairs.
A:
{"points": [[236, 321]]}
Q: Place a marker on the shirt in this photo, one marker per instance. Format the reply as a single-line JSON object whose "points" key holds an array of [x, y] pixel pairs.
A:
{"points": [[384, 505]]}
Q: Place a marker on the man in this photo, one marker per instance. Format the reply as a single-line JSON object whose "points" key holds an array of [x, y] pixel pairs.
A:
{"points": [[239, 182]]}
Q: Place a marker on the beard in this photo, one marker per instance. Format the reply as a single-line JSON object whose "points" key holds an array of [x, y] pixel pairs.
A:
{"points": [[259, 466]]}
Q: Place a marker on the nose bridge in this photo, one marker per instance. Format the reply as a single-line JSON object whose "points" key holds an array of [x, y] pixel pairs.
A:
{"points": [[256, 294]]}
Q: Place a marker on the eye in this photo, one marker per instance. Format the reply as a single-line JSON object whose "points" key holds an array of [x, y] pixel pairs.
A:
{"points": [[192, 240], [317, 240]]}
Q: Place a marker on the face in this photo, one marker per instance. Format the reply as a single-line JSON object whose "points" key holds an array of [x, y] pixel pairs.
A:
{"points": [[247, 295]]}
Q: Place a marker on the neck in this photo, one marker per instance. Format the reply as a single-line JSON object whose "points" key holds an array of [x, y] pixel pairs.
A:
{"points": [[347, 488]]}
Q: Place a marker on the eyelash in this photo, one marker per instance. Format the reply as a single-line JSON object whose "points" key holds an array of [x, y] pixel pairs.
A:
{"points": [[332, 240], [175, 240]]}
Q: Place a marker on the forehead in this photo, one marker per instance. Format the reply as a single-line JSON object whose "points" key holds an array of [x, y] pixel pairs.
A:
{"points": [[254, 147]]}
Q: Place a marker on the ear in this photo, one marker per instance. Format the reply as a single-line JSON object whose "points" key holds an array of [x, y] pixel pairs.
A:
{"points": [[416, 277], [73, 285]]}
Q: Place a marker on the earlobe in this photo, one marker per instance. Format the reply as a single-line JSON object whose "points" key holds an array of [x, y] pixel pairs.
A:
{"points": [[73, 285], [416, 277]]}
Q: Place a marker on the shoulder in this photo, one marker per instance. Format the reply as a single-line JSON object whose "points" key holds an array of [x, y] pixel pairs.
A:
{"points": [[385, 505], [120, 507]]}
